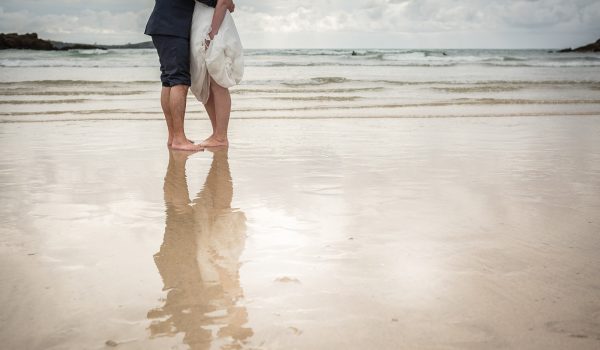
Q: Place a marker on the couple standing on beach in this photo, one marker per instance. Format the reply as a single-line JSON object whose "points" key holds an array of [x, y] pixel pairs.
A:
{"points": [[198, 46]]}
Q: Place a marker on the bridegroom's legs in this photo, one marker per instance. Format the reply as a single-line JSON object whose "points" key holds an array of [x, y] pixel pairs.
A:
{"points": [[173, 53], [165, 98], [177, 105]]}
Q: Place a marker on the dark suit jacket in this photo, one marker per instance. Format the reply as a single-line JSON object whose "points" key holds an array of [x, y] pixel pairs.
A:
{"points": [[173, 17]]}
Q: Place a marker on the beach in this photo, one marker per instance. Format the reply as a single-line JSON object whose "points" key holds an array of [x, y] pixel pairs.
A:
{"points": [[451, 205], [450, 234]]}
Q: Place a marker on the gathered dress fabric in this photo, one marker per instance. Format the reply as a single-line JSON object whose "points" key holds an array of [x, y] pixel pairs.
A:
{"points": [[223, 60]]}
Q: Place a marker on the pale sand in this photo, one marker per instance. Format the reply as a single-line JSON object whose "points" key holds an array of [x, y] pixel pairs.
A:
{"points": [[464, 233]]}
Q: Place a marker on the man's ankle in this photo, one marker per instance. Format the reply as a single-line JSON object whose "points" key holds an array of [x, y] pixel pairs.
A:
{"points": [[180, 139]]}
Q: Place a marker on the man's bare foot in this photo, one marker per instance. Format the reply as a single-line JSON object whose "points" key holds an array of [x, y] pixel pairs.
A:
{"points": [[170, 142], [213, 141], [186, 146]]}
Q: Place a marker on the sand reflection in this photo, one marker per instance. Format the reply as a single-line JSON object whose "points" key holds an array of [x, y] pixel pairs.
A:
{"points": [[199, 260]]}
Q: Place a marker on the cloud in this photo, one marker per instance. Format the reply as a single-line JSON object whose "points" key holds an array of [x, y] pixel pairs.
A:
{"points": [[85, 26], [419, 15], [437, 23], [331, 23]]}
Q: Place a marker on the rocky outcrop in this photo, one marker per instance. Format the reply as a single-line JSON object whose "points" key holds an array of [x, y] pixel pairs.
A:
{"points": [[25, 41], [144, 45], [31, 41], [59, 45], [593, 47]]}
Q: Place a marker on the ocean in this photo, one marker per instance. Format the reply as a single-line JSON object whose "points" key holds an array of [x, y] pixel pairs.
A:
{"points": [[308, 83]]}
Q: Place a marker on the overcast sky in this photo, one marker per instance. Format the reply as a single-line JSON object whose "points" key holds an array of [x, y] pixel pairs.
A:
{"points": [[331, 23]]}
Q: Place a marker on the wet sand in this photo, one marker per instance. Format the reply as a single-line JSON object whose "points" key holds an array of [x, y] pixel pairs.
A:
{"points": [[449, 233]]}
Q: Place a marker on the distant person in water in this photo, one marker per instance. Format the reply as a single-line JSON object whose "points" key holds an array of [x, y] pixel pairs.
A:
{"points": [[170, 25]]}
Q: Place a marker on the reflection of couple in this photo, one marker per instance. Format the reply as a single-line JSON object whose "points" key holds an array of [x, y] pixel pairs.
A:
{"points": [[199, 260], [184, 32]]}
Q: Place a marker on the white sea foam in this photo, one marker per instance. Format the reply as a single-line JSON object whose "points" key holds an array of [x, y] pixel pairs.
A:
{"points": [[315, 58]]}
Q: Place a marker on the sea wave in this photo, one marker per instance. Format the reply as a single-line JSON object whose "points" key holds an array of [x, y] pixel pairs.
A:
{"points": [[158, 117], [70, 64], [35, 102], [85, 52], [350, 64], [325, 64], [316, 85], [87, 58], [292, 90], [310, 58], [317, 81], [66, 82], [455, 102], [29, 92], [418, 58]]}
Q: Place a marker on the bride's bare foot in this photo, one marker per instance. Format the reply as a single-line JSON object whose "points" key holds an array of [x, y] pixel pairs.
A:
{"points": [[214, 141], [186, 146], [208, 138]]}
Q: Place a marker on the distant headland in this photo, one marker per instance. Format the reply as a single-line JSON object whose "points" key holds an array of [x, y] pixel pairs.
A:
{"points": [[30, 41], [593, 47]]}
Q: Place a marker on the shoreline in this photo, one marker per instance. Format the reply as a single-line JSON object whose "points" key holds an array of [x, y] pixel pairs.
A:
{"points": [[283, 118]]}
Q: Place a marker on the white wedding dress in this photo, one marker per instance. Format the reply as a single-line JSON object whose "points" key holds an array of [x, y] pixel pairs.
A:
{"points": [[223, 60]]}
